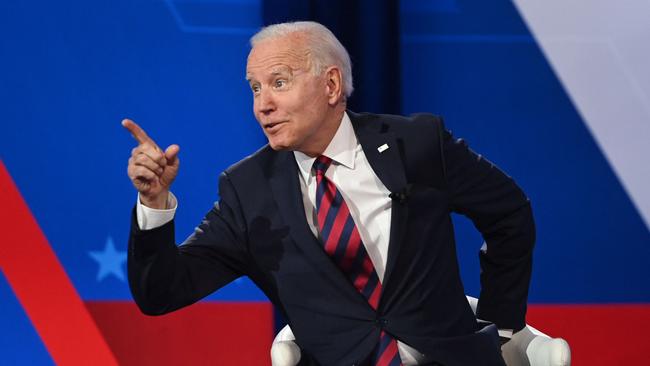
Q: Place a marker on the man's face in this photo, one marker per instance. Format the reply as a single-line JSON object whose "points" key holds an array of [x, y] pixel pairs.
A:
{"points": [[289, 101]]}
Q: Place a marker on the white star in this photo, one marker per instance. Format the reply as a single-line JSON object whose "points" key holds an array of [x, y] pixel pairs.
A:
{"points": [[110, 261]]}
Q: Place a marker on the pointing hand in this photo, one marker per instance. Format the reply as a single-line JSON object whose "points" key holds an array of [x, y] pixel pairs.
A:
{"points": [[150, 169]]}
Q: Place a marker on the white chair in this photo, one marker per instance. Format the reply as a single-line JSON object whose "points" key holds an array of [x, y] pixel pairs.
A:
{"points": [[528, 347]]}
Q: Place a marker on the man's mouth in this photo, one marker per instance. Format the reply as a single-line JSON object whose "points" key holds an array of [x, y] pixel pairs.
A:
{"points": [[270, 125]]}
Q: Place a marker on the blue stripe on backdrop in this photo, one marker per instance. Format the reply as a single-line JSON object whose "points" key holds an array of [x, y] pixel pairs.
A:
{"points": [[478, 66], [240, 17]]}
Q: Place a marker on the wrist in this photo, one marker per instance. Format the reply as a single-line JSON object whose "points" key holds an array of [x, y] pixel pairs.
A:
{"points": [[159, 202]]}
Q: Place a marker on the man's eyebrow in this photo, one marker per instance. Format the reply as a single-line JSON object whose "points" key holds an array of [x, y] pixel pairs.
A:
{"points": [[283, 73], [282, 70]]}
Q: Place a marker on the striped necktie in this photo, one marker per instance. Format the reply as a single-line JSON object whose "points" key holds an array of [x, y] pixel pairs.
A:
{"points": [[343, 244]]}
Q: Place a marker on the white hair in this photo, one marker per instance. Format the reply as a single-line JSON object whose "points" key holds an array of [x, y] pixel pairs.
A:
{"points": [[324, 48]]}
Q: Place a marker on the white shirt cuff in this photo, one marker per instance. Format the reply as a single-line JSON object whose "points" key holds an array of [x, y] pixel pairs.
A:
{"points": [[505, 333], [151, 218]]}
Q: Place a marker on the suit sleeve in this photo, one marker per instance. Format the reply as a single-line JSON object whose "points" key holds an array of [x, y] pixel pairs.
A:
{"points": [[502, 213], [164, 277]]}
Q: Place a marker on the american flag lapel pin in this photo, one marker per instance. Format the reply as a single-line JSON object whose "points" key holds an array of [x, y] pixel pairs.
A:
{"points": [[382, 148]]}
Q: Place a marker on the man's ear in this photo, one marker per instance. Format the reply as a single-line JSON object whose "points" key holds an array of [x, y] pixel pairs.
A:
{"points": [[334, 84]]}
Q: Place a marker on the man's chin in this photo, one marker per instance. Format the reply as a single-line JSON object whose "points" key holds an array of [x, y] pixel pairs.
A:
{"points": [[279, 146]]}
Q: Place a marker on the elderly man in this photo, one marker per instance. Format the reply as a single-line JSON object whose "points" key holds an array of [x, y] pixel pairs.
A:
{"points": [[343, 220]]}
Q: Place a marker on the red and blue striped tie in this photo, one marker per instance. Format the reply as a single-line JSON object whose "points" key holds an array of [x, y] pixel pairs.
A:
{"points": [[342, 242]]}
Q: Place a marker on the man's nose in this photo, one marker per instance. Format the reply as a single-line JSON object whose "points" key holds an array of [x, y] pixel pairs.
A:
{"points": [[265, 102]]}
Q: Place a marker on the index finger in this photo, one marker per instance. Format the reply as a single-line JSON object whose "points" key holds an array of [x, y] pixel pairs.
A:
{"points": [[136, 131]]}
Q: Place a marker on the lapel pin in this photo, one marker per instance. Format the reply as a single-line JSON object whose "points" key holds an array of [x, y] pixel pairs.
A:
{"points": [[382, 148]]}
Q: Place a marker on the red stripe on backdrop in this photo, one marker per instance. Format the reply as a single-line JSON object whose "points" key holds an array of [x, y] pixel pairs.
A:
{"points": [[597, 334], [206, 333], [43, 288]]}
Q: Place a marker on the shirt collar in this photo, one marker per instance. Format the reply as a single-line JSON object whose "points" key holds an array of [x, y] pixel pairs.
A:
{"points": [[342, 149]]}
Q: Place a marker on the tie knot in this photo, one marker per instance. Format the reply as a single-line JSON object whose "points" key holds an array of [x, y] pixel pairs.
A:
{"points": [[321, 164]]}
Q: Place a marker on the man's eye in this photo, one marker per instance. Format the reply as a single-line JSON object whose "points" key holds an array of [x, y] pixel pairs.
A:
{"points": [[280, 83], [255, 89]]}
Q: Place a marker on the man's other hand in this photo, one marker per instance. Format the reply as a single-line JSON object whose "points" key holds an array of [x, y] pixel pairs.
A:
{"points": [[151, 169]]}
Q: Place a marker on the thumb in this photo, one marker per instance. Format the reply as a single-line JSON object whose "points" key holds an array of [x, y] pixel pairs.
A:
{"points": [[171, 153]]}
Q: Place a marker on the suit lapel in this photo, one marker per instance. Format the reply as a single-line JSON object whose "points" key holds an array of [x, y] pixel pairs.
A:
{"points": [[382, 150], [285, 186]]}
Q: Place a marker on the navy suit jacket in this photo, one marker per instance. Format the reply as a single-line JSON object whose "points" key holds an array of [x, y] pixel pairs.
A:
{"points": [[259, 229]]}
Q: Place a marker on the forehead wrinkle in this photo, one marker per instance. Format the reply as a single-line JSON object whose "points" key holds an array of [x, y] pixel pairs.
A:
{"points": [[294, 58], [272, 70], [277, 60]]}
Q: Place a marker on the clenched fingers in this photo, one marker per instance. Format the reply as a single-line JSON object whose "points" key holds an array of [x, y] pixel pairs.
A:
{"points": [[146, 162], [141, 175], [153, 152]]}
